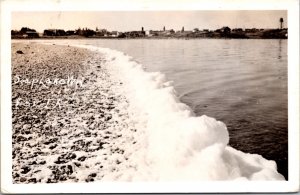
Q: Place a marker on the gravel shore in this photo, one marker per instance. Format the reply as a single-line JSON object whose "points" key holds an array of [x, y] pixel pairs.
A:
{"points": [[70, 120]]}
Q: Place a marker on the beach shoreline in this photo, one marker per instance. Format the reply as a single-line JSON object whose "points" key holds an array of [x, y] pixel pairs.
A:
{"points": [[63, 132], [122, 124]]}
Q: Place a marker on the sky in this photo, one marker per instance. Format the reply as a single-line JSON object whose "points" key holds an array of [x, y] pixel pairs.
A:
{"points": [[150, 20]]}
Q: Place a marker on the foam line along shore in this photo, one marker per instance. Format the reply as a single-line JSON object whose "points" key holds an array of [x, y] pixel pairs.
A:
{"points": [[177, 145]]}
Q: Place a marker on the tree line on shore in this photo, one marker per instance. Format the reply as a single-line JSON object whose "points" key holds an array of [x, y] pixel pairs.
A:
{"points": [[224, 32]]}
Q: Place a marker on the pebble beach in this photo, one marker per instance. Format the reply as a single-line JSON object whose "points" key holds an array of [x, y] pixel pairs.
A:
{"points": [[70, 120]]}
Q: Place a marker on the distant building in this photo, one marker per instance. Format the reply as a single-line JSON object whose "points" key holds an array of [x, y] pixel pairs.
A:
{"points": [[237, 30], [251, 30], [54, 32], [161, 33], [134, 34], [114, 33], [224, 30], [26, 32], [101, 32], [147, 33], [49, 32], [70, 32], [168, 32], [155, 32], [32, 34], [184, 33], [196, 30], [60, 32]]}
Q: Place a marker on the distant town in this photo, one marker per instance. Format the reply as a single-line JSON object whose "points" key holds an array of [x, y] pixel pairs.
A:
{"points": [[224, 32]]}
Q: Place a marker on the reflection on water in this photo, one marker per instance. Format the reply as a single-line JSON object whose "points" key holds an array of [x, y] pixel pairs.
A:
{"points": [[279, 48], [240, 82]]}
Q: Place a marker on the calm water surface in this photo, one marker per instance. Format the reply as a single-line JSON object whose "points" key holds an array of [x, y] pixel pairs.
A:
{"points": [[240, 82]]}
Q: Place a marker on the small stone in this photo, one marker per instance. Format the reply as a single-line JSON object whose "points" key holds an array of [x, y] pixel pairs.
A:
{"points": [[32, 163], [53, 146], [65, 158], [81, 158], [33, 180], [63, 178], [73, 156], [108, 118], [118, 162], [92, 126], [20, 52], [42, 162], [51, 141], [25, 170], [27, 132], [70, 169], [89, 179], [77, 164], [93, 175], [21, 138], [22, 179], [88, 134], [60, 161], [26, 126]]}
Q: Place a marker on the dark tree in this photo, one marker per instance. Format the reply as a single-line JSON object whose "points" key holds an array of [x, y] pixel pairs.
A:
{"points": [[14, 32], [25, 29], [49, 32], [78, 31], [60, 32]]}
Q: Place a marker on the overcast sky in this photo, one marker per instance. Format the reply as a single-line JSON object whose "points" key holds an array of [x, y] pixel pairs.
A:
{"points": [[155, 20]]}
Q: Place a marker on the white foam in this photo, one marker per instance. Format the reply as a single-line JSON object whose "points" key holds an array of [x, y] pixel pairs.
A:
{"points": [[174, 143]]}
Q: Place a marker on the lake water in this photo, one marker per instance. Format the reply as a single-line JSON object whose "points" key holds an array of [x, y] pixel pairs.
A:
{"points": [[241, 82]]}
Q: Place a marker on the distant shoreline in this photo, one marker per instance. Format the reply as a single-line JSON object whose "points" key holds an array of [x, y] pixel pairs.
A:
{"points": [[223, 33], [117, 38]]}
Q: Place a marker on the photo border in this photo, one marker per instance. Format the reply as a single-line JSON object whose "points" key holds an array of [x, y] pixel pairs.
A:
{"points": [[292, 185]]}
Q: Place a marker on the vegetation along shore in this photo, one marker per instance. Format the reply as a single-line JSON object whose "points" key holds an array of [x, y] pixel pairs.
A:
{"points": [[224, 32]]}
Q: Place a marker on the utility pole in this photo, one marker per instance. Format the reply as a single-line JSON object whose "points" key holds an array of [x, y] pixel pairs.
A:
{"points": [[281, 22]]}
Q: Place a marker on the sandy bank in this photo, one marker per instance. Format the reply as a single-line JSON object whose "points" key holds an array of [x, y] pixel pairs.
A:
{"points": [[70, 122]]}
